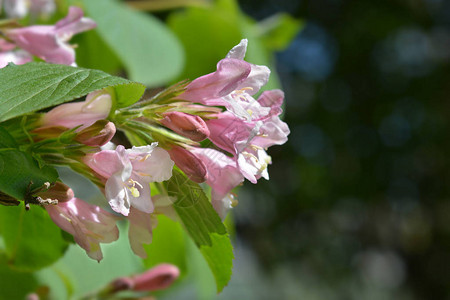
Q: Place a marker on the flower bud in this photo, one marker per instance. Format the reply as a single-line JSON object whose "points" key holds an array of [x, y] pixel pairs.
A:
{"points": [[96, 107], [58, 191], [190, 164], [98, 134], [157, 278], [187, 125]]}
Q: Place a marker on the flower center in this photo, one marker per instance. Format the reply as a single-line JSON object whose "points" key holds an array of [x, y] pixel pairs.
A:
{"points": [[133, 189]]}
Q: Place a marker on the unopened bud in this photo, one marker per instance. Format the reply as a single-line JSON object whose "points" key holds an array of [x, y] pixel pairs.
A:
{"points": [[98, 134], [187, 125], [190, 164], [96, 107], [157, 278], [58, 191]]}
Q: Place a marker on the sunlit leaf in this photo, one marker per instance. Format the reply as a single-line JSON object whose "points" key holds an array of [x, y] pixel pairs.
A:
{"points": [[203, 225], [33, 86]]}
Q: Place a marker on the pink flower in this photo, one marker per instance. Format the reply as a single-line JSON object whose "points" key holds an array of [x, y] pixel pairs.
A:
{"points": [[157, 278], [90, 225], [223, 175], [96, 107], [128, 174], [190, 126], [50, 42], [141, 224], [140, 230], [231, 133], [232, 85]]}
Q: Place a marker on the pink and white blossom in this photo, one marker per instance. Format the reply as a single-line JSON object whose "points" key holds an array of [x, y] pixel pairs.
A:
{"points": [[223, 175], [232, 85], [90, 225], [128, 174]]}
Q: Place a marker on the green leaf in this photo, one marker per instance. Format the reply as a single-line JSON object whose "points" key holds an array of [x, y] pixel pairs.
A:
{"points": [[6, 140], [150, 53], [18, 169], [278, 31], [33, 86], [32, 240], [214, 28], [203, 225], [14, 284]]}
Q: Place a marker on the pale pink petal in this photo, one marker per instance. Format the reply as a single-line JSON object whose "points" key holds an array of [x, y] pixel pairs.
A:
{"points": [[89, 224], [238, 51], [141, 200], [118, 195], [109, 162], [229, 75], [231, 133], [253, 164], [223, 174], [222, 204], [140, 230], [74, 23], [272, 132]]}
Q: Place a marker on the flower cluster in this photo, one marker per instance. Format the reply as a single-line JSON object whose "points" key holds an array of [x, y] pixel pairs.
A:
{"points": [[47, 42], [213, 128], [221, 107]]}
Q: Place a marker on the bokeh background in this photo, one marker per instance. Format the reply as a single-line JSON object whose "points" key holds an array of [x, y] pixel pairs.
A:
{"points": [[357, 206]]}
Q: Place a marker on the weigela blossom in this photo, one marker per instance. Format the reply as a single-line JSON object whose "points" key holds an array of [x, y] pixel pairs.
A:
{"points": [[49, 42], [128, 174], [232, 85], [141, 224], [222, 176], [89, 224]]}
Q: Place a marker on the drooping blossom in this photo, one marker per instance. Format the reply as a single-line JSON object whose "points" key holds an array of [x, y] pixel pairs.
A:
{"points": [[96, 107], [90, 225], [141, 224], [128, 174], [222, 176], [50, 42]]}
